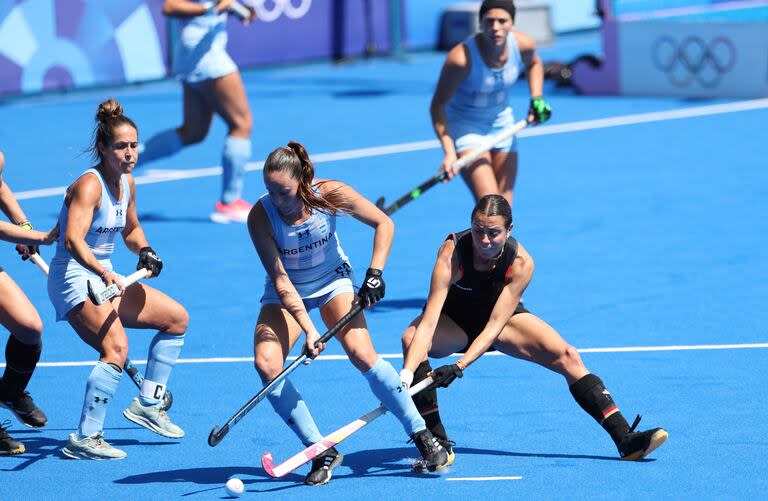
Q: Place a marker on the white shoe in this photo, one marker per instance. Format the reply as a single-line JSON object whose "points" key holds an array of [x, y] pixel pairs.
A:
{"points": [[152, 418], [91, 447]]}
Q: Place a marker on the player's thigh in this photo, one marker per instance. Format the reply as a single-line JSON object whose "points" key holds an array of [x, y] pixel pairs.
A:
{"points": [[504, 164], [275, 334], [99, 326], [231, 103], [448, 338], [198, 112], [17, 314], [479, 176], [354, 336], [530, 338], [143, 307]]}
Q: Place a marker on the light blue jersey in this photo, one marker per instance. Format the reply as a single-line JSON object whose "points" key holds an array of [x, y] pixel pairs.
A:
{"points": [[480, 106], [310, 252], [201, 51], [67, 279]]}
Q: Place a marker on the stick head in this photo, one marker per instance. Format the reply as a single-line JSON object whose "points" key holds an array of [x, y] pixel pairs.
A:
{"points": [[215, 437], [167, 401], [267, 461], [92, 294], [380, 203]]}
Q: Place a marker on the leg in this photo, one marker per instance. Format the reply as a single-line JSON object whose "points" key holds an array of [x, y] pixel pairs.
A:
{"points": [[504, 164], [529, 338], [382, 379], [198, 115], [22, 352], [479, 176], [100, 328], [144, 307], [231, 103]]}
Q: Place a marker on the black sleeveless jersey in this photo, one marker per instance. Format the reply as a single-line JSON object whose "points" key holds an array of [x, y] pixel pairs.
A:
{"points": [[478, 290]]}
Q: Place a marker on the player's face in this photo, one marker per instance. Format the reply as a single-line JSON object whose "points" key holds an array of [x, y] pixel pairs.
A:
{"points": [[496, 25], [283, 190], [122, 154], [489, 234]]}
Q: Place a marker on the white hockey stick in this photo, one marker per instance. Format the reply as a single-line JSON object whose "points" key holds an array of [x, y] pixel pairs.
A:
{"points": [[241, 10], [330, 440], [40, 262], [113, 290]]}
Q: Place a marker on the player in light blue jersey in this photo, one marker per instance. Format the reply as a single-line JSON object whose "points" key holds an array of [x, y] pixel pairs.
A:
{"points": [[98, 206], [471, 100], [211, 84], [293, 228]]}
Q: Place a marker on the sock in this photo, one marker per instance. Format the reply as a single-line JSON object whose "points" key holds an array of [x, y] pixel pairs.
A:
{"points": [[426, 403], [21, 360], [101, 387], [237, 152], [287, 402], [164, 350], [590, 393], [385, 384], [161, 145]]}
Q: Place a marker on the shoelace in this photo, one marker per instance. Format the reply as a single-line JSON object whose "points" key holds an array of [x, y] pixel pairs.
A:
{"points": [[635, 423], [327, 459], [3, 427]]}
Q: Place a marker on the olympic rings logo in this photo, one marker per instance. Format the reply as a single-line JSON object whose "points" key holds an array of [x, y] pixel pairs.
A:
{"points": [[693, 59], [269, 14]]}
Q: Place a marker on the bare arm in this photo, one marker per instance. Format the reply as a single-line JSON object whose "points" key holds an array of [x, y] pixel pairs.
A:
{"points": [[455, 70], [263, 240], [518, 280], [364, 211], [16, 234], [8, 203], [533, 65], [446, 268], [83, 199], [133, 234]]}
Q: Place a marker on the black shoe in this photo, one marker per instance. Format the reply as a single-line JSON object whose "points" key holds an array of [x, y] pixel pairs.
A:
{"points": [[637, 445], [420, 465], [322, 467], [433, 454], [8, 445], [26, 410]]}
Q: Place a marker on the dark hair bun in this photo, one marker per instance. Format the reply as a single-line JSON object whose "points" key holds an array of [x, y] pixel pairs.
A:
{"points": [[108, 110]]}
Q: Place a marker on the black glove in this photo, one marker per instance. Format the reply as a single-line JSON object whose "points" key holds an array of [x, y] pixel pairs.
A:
{"points": [[445, 375], [149, 260], [373, 287], [26, 250]]}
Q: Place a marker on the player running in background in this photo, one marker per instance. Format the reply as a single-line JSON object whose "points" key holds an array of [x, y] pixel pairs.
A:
{"points": [[25, 343], [211, 84], [471, 100], [474, 306], [100, 204], [293, 228]]}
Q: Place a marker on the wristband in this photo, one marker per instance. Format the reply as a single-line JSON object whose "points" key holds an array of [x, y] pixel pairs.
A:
{"points": [[25, 224], [406, 377]]}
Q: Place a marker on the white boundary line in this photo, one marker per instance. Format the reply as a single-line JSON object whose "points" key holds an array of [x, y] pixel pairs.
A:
{"points": [[620, 349], [151, 176], [483, 479]]}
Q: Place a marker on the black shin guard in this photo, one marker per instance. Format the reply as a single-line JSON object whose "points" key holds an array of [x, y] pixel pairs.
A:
{"points": [[21, 360], [590, 393], [426, 403]]}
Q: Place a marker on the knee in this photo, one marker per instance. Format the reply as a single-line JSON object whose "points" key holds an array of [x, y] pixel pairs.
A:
{"points": [[267, 359], [568, 362], [29, 331], [362, 360], [116, 352], [408, 337], [192, 135], [242, 125], [179, 321]]}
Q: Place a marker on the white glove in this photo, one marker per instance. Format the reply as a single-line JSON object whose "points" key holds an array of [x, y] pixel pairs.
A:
{"points": [[406, 378]]}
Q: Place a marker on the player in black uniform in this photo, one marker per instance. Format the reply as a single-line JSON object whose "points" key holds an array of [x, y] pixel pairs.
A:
{"points": [[474, 306]]}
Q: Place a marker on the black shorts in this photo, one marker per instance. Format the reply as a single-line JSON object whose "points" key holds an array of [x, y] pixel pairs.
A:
{"points": [[472, 320]]}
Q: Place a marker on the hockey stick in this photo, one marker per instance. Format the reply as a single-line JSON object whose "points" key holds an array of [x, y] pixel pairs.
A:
{"points": [[458, 164], [330, 440], [242, 11], [217, 434], [113, 290], [136, 376]]}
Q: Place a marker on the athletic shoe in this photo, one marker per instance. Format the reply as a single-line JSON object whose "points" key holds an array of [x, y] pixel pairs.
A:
{"points": [[637, 445], [152, 418], [9, 446], [434, 455], [322, 467], [26, 410], [420, 465], [91, 447], [236, 212]]}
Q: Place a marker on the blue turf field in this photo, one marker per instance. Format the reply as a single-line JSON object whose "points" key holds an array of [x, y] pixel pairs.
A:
{"points": [[647, 234]]}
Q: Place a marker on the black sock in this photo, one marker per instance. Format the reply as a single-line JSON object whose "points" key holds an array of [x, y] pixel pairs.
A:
{"points": [[590, 393], [21, 360], [426, 403]]}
